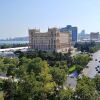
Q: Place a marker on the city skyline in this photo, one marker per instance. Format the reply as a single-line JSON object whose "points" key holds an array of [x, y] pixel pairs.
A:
{"points": [[17, 16]]}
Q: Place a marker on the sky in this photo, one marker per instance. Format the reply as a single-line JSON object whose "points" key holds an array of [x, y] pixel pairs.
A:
{"points": [[17, 16]]}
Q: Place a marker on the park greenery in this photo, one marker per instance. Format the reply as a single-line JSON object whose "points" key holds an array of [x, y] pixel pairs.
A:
{"points": [[87, 47], [41, 76], [72, 69]]}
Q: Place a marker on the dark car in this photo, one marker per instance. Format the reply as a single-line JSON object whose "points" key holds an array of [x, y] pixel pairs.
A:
{"points": [[87, 66], [99, 61], [95, 59], [98, 67]]}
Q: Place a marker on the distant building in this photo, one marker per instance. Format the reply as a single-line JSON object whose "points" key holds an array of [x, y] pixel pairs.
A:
{"points": [[94, 36], [53, 40], [86, 37], [68, 28], [82, 33], [83, 36], [72, 30]]}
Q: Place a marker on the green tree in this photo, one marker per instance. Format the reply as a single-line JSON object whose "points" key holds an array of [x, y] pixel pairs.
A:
{"points": [[82, 59], [11, 70], [79, 68], [85, 89], [66, 94], [9, 89], [97, 82], [36, 76], [59, 75]]}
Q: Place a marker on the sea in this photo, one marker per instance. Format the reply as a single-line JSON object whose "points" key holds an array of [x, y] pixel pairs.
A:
{"points": [[12, 42]]}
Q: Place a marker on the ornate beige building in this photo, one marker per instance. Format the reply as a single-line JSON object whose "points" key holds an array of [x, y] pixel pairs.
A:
{"points": [[53, 40]]}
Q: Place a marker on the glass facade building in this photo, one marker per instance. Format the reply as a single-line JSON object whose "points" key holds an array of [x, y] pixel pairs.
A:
{"points": [[72, 30]]}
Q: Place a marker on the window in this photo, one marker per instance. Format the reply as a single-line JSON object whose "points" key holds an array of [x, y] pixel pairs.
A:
{"points": [[31, 33], [52, 34], [54, 41]]}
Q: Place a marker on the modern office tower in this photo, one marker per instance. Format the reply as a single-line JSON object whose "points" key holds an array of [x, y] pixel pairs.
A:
{"points": [[94, 36], [52, 40], [74, 34], [72, 30]]}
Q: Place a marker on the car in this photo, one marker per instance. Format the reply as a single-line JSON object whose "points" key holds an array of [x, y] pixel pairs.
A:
{"points": [[95, 59], [99, 70], [98, 67], [87, 66], [99, 61], [91, 55], [71, 76]]}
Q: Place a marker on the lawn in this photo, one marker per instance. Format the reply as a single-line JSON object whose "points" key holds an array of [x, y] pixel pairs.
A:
{"points": [[72, 69], [97, 47]]}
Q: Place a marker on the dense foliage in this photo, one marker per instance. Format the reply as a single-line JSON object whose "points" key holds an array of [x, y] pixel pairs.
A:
{"points": [[41, 76], [87, 47], [35, 79]]}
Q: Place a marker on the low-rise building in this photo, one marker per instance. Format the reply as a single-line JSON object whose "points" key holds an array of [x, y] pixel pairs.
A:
{"points": [[94, 36]]}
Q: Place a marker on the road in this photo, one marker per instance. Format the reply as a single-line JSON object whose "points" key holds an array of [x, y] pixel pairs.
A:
{"points": [[91, 71], [70, 82], [13, 49]]}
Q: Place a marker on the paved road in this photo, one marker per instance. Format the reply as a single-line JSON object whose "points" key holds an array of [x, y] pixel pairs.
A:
{"points": [[91, 71], [13, 49], [70, 82]]}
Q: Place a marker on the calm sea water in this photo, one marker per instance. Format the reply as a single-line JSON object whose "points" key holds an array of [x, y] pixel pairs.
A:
{"points": [[13, 42]]}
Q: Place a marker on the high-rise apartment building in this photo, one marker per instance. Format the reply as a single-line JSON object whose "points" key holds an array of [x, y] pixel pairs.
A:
{"points": [[53, 40], [72, 30]]}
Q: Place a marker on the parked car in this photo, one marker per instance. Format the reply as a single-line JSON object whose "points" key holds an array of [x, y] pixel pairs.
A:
{"points": [[87, 66], [95, 59], [99, 70], [98, 67]]}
